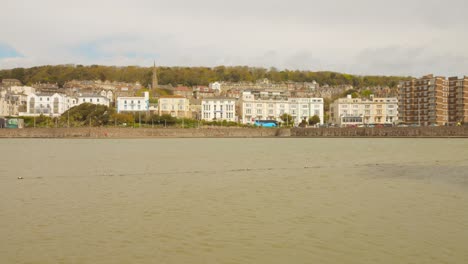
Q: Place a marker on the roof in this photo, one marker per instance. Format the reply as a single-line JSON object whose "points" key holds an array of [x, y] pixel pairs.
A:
{"points": [[172, 96], [92, 96], [182, 88], [219, 98]]}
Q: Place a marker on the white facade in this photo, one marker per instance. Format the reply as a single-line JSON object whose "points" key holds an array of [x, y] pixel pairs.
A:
{"points": [[108, 94], [133, 104], [92, 99], [218, 109], [56, 104], [356, 111], [215, 86], [46, 104], [262, 108]]}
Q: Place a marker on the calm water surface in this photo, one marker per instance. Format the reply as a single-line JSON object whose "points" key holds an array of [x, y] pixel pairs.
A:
{"points": [[234, 201]]}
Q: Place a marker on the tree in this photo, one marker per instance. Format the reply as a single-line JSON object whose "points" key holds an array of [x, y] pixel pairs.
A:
{"points": [[314, 120], [87, 114], [287, 119], [366, 93]]}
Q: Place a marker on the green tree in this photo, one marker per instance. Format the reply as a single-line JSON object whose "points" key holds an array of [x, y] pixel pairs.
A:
{"points": [[287, 119], [87, 114], [366, 93], [313, 120]]}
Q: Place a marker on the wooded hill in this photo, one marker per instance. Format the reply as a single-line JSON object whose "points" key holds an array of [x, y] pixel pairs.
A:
{"points": [[188, 75]]}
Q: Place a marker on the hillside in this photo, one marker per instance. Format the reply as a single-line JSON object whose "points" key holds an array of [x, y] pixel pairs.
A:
{"points": [[188, 75]]}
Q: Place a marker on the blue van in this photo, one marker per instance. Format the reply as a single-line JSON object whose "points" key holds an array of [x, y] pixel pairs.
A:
{"points": [[266, 123]]}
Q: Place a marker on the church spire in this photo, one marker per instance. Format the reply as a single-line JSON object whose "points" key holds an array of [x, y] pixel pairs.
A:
{"points": [[154, 84]]}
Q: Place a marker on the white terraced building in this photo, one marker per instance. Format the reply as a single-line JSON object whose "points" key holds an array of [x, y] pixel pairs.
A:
{"points": [[219, 108], [271, 108], [133, 104], [47, 104], [55, 104], [93, 99], [356, 111]]}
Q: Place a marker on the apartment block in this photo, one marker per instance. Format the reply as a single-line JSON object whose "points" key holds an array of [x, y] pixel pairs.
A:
{"points": [[458, 100], [424, 101]]}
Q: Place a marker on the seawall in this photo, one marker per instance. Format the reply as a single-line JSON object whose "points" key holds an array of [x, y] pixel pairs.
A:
{"points": [[429, 132]]}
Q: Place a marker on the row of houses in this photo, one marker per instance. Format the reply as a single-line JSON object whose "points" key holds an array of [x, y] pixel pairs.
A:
{"points": [[251, 107], [430, 100]]}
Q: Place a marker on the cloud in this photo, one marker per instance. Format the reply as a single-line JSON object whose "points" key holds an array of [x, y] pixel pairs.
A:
{"points": [[362, 36]]}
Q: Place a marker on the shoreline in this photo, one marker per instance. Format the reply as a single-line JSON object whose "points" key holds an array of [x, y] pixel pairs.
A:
{"points": [[235, 132]]}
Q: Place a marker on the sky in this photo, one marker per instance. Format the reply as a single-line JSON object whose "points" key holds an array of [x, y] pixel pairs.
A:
{"points": [[365, 37]]}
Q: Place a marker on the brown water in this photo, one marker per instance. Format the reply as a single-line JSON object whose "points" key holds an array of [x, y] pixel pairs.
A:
{"points": [[234, 201]]}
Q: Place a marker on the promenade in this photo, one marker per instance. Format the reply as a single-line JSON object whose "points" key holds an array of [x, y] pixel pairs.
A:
{"points": [[219, 132]]}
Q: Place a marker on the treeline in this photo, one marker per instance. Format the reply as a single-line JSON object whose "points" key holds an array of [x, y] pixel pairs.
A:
{"points": [[188, 75]]}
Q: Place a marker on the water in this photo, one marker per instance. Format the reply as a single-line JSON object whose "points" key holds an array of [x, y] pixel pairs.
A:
{"points": [[234, 201]]}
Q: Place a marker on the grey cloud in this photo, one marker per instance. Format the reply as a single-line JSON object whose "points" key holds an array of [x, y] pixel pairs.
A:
{"points": [[362, 36]]}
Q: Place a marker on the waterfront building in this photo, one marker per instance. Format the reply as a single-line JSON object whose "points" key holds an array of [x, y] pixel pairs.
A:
{"points": [[458, 100], [271, 106], [424, 101], [13, 99], [133, 104], [46, 104], [218, 108], [9, 103], [363, 111], [174, 105]]}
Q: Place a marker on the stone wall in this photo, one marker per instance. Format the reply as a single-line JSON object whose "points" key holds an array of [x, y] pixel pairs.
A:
{"points": [[382, 132], [135, 132], [233, 132]]}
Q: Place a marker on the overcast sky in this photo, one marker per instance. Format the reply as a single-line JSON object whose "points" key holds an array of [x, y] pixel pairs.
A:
{"points": [[398, 37]]}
